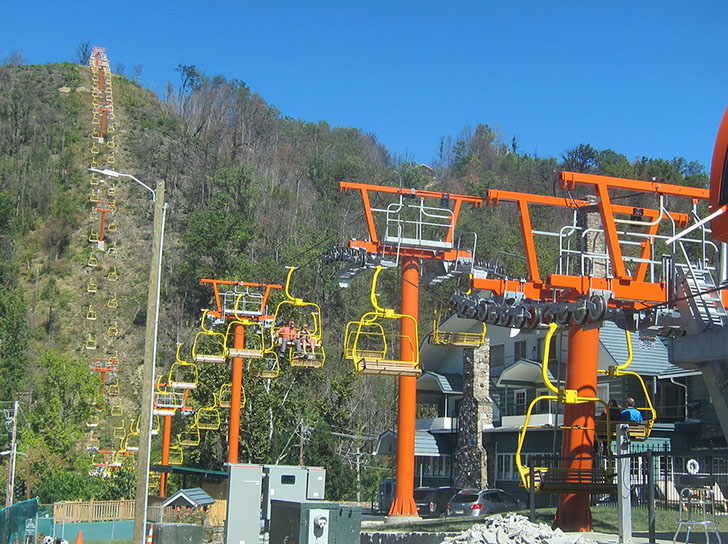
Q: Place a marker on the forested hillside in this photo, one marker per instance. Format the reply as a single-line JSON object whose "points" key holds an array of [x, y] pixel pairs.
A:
{"points": [[250, 191]]}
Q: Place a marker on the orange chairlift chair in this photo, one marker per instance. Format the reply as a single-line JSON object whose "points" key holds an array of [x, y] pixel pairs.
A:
{"points": [[374, 340]]}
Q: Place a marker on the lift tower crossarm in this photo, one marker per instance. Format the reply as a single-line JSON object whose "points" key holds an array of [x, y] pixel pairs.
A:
{"points": [[569, 180], [215, 286], [365, 189], [494, 197]]}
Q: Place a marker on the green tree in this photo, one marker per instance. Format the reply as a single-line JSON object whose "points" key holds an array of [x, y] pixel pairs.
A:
{"points": [[67, 395]]}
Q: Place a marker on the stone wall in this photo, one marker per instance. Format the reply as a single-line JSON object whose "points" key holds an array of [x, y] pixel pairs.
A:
{"points": [[470, 465]]}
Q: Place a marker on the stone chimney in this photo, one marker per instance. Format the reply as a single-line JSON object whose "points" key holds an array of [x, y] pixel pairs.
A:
{"points": [[471, 466]]}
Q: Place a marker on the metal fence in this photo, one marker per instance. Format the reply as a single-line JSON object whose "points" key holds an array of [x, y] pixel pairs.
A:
{"points": [[18, 522], [662, 471]]}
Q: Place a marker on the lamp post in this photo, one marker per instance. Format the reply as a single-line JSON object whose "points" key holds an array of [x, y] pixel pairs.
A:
{"points": [[150, 352]]}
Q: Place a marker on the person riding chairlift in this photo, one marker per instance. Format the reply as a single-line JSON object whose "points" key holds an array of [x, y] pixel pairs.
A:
{"points": [[287, 336], [308, 342]]}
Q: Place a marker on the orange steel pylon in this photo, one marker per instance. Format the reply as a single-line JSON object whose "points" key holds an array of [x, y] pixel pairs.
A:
{"points": [[407, 239], [627, 291]]}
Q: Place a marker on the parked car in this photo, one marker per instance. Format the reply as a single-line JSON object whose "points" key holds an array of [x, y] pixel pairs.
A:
{"points": [[474, 502], [432, 502]]}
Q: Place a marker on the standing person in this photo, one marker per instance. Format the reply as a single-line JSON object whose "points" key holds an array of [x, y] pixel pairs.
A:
{"points": [[630, 413], [288, 336]]}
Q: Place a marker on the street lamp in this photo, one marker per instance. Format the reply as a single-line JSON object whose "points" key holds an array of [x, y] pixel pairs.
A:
{"points": [[150, 351]]}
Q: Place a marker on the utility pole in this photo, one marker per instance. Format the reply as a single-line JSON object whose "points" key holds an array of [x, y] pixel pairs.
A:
{"points": [[150, 352], [13, 447]]}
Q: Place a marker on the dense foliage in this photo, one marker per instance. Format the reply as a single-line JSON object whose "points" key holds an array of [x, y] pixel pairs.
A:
{"points": [[250, 192]]}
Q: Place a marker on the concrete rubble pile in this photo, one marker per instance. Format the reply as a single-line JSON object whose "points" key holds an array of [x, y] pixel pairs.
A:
{"points": [[514, 529]]}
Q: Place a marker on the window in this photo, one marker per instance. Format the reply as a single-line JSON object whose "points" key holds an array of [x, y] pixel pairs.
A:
{"points": [[602, 393], [506, 467], [519, 402], [541, 342], [544, 406], [497, 355], [519, 350]]}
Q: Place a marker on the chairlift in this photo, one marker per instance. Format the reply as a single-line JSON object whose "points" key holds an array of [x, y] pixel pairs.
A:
{"points": [[91, 342], [92, 261], [113, 330], [226, 394], [113, 275], [92, 421], [189, 436], [113, 301], [119, 432], [267, 367], [208, 418], [253, 339], [91, 287], [300, 312], [131, 441], [176, 455], [182, 374], [209, 345], [113, 389], [546, 479], [91, 314], [638, 431], [166, 400], [116, 409], [451, 338], [377, 341]]}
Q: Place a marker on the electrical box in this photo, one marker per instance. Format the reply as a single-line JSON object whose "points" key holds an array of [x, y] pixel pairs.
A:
{"points": [[287, 483], [316, 483], [314, 523], [245, 487]]}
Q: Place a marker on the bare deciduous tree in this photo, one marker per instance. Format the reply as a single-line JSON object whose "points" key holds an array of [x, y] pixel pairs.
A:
{"points": [[15, 58], [120, 68], [83, 53], [138, 73]]}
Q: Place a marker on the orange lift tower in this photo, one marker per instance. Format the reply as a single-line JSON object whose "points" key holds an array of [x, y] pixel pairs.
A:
{"points": [[413, 231], [242, 304], [638, 282], [237, 304]]}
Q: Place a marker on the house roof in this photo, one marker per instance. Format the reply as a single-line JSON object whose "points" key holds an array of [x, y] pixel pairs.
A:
{"points": [[523, 372], [426, 444], [446, 383], [650, 354], [195, 496]]}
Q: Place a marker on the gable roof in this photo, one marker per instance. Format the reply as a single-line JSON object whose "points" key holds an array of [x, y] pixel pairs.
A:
{"points": [[446, 383], [194, 496], [650, 358], [426, 444]]}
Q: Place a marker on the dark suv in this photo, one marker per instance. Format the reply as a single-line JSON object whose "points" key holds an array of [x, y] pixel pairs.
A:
{"points": [[432, 502]]}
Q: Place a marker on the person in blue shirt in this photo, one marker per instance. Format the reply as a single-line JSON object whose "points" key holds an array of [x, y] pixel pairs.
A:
{"points": [[630, 413]]}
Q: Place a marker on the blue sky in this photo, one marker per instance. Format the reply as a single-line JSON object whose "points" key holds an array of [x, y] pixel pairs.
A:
{"points": [[644, 78]]}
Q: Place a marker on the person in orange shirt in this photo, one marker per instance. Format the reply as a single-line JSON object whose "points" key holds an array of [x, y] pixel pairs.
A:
{"points": [[287, 336]]}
